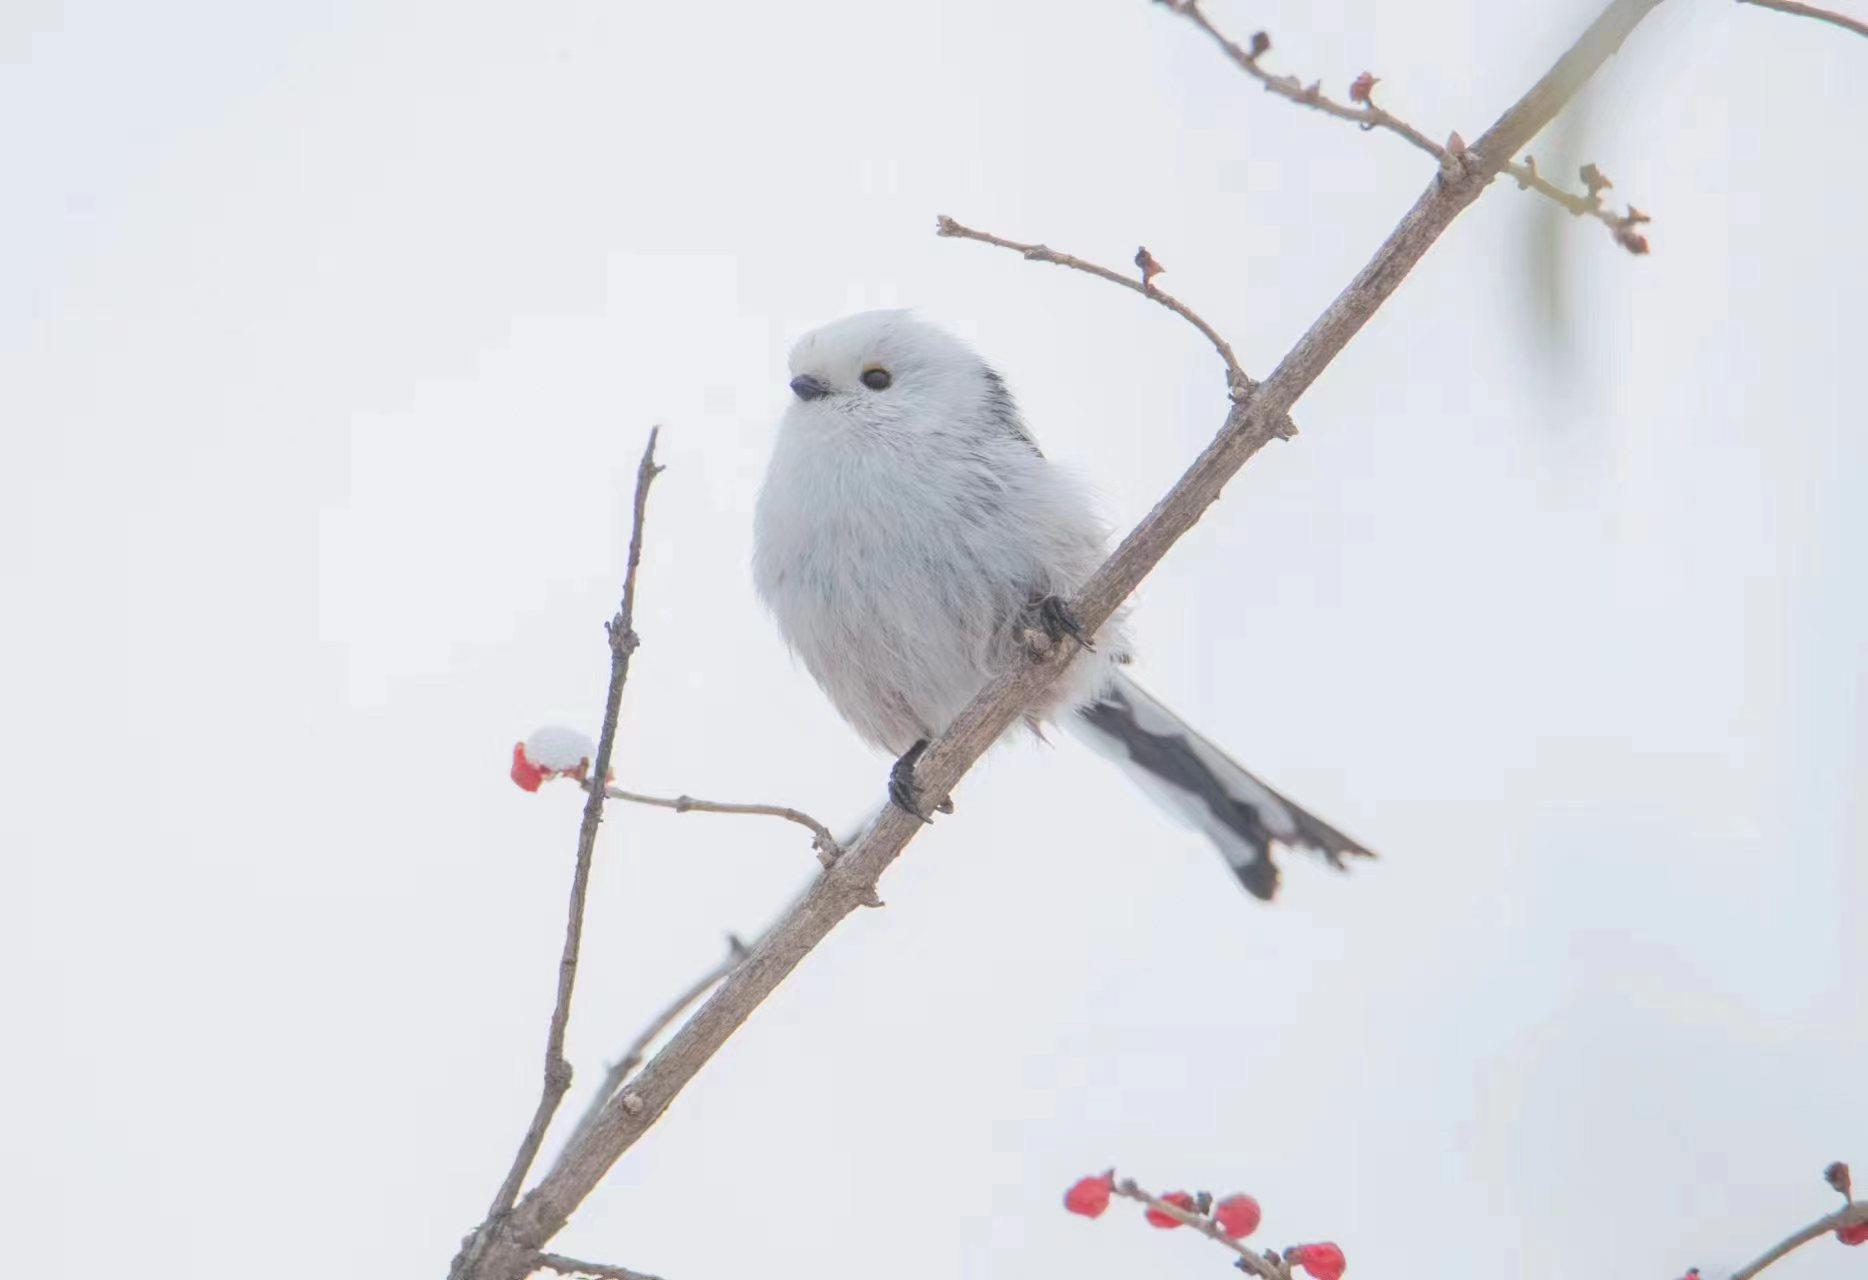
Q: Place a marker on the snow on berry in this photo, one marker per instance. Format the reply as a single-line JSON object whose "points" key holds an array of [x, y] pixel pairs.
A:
{"points": [[557, 749], [1166, 1221], [551, 752], [1237, 1216], [1090, 1196], [1324, 1261]]}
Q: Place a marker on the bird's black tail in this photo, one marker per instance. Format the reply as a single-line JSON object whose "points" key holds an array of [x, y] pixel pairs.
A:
{"points": [[1204, 788]]}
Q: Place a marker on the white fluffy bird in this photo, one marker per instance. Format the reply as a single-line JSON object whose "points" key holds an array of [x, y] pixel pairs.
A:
{"points": [[909, 535]]}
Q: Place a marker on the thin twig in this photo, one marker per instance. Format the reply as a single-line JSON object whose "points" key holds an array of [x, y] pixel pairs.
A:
{"points": [[633, 1055], [574, 1267], [1236, 379], [1267, 1268], [623, 642], [1249, 426], [826, 844], [1849, 1215], [1368, 116], [1847, 23]]}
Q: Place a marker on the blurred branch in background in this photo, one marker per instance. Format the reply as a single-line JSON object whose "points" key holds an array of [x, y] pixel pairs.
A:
{"points": [[1367, 115], [508, 1245], [1847, 23]]}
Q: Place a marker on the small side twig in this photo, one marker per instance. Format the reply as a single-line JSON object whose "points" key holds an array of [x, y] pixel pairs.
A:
{"points": [[638, 1048], [826, 844], [1236, 380], [575, 1267], [1847, 23], [623, 642], [1364, 112], [1267, 1266]]}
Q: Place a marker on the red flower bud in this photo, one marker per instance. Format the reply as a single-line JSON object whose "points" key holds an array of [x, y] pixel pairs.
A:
{"points": [[1324, 1261], [1857, 1234], [1362, 86], [1089, 1196], [1237, 1216]]}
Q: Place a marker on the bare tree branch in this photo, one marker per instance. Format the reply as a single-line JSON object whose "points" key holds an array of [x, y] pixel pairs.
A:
{"points": [[1367, 115], [826, 844], [1847, 23], [623, 643], [1849, 1215], [573, 1267], [1249, 425], [632, 1056], [1236, 380]]}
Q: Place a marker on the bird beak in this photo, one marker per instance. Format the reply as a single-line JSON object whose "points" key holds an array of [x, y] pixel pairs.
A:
{"points": [[806, 387]]}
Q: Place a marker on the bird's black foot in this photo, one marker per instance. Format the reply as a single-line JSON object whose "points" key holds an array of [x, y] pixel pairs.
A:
{"points": [[1058, 621], [902, 788]]}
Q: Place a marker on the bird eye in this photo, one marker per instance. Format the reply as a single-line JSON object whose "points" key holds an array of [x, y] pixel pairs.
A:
{"points": [[877, 379]]}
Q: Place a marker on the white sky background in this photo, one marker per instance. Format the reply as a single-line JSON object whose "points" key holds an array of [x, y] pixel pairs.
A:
{"points": [[328, 341]]}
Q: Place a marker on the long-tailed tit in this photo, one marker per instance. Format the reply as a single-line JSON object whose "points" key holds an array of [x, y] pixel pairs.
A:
{"points": [[910, 537]]}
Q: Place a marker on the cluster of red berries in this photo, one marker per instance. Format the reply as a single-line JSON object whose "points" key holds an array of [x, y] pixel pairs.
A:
{"points": [[1235, 1217]]}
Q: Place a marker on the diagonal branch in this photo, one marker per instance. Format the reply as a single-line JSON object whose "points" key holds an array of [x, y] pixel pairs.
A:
{"points": [[1368, 115], [1847, 23], [632, 1056], [623, 642], [1249, 426]]}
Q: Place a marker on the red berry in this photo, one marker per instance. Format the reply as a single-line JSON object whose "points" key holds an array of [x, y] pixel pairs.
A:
{"points": [[1857, 1234], [1167, 1222], [524, 772], [1089, 1196], [1237, 1216], [1324, 1261]]}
